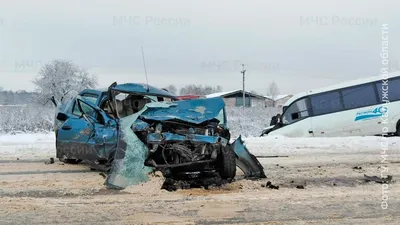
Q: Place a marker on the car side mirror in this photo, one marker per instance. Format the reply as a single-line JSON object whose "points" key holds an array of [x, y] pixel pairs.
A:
{"points": [[62, 116]]}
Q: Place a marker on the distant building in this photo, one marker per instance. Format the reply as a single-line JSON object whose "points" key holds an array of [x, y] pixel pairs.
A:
{"points": [[276, 101], [235, 98]]}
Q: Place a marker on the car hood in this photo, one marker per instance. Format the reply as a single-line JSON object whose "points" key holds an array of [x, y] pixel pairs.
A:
{"points": [[194, 111]]}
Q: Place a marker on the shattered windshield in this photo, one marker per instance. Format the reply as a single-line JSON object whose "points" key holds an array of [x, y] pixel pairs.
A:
{"points": [[128, 104], [128, 166]]}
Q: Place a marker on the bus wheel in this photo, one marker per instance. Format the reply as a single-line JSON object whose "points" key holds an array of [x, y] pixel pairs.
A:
{"points": [[398, 128]]}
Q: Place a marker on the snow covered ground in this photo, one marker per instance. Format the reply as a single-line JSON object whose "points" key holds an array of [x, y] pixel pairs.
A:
{"points": [[27, 146], [42, 145], [279, 145]]}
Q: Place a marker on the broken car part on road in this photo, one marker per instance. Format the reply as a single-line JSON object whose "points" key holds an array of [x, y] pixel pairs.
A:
{"points": [[135, 128], [381, 180]]}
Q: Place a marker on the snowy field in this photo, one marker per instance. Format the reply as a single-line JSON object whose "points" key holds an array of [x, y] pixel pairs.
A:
{"points": [[34, 119], [25, 119]]}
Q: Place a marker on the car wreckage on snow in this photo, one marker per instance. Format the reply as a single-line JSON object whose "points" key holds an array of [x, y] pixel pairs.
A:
{"points": [[131, 129]]}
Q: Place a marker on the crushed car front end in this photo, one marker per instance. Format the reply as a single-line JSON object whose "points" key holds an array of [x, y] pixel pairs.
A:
{"points": [[182, 137], [177, 146]]}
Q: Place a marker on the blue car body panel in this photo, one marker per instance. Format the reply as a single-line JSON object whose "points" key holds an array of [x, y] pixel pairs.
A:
{"points": [[158, 138], [246, 161], [194, 111], [79, 138]]}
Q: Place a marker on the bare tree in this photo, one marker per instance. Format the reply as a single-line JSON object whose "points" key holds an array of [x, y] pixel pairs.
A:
{"points": [[171, 88], [193, 89], [273, 91], [62, 79]]}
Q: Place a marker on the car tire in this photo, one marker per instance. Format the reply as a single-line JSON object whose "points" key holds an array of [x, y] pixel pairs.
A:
{"points": [[227, 163], [398, 128]]}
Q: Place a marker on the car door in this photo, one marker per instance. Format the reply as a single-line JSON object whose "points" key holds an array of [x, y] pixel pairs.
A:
{"points": [[89, 134]]}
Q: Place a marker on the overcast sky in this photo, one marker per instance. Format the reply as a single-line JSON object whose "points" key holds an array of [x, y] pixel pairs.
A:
{"points": [[298, 44]]}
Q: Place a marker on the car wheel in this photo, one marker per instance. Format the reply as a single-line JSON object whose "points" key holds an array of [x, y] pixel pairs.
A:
{"points": [[227, 163]]}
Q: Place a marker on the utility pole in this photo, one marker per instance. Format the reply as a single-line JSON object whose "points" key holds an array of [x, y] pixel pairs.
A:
{"points": [[244, 95]]}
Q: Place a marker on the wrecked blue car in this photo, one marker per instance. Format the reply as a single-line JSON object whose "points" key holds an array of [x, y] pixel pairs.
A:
{"points": [[132, 129]]}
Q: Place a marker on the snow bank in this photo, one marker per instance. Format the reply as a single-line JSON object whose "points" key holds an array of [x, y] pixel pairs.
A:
{"points": [[42, 145], [27, 138], [27, 146], [280, 145]]}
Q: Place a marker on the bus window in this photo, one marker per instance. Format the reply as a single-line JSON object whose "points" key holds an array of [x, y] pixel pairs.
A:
{"points": [[360, 96], [296, 111], [326, 103], [390, 91]]}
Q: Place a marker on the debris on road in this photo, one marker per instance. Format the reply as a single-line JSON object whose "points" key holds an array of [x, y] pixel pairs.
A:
{"points": [[381, 180], [185, 182], [270, 185], [51, 161]]}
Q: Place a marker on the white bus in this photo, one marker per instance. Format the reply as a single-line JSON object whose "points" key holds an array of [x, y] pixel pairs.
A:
{"points": [[354, 108]]}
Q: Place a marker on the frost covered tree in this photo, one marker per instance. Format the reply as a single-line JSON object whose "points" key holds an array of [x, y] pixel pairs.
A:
{"points": [[193, 89], [171, 88], [62, 79]]}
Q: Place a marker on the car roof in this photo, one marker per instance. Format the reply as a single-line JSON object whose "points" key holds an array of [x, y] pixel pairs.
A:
{"points": [[138, 88], [341, 85]]}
